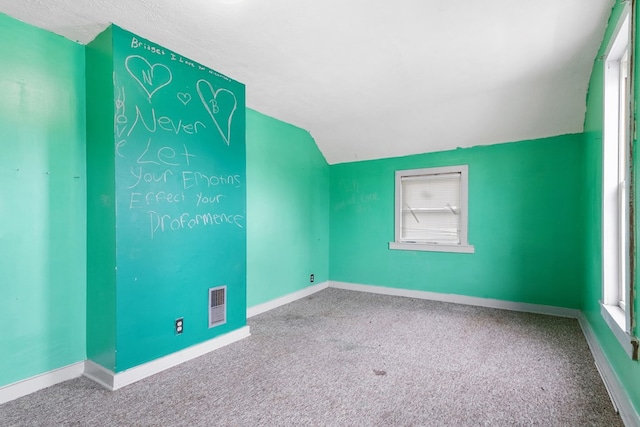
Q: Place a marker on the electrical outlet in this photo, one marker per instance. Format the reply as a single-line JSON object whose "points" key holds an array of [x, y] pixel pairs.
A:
{"points": [[311, 278], [179, 325]]}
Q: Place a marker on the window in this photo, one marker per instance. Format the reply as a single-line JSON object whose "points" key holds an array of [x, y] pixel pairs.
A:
{"points": [[616, 222], [431, 210]]}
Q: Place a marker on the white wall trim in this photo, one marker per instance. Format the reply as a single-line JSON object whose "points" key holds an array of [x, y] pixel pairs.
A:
{"points": [[98, 374], [432, 247], [461, 299], [113, 381], [275, 303], [616, 391], [31, 385], [615, 318]]}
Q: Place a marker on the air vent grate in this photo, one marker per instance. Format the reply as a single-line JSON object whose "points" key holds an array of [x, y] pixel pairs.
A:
{"points": [[217, 306]]}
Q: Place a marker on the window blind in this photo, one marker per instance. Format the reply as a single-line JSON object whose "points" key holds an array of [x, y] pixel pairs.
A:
{"points": [[431, 208]]}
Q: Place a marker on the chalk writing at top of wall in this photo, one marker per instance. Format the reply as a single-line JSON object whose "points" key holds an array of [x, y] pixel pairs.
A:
{"points": [[179, 144], [352, 196]]}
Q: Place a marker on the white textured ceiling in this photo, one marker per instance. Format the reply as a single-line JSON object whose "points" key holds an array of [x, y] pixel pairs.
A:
{"points": [[375, 78]]}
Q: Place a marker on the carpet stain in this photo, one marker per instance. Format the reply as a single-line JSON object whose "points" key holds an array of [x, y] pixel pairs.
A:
{"points": [[379, 372]]}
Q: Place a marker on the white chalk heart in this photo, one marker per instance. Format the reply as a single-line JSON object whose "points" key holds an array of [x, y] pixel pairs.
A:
{"points": [[150, 77], [220, 104], [185, 98]]}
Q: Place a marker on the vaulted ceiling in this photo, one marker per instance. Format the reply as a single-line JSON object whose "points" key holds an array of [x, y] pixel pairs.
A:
{"points": [[375, 78]]}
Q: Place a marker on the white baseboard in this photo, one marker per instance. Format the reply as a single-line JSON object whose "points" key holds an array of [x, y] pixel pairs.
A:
{"points": [[114, 381], [270, 305], [99, 374], [461, 299], [617, 393], [38, 382]]}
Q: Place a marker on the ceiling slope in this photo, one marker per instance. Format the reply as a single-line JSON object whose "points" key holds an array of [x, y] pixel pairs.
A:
{"points": [[372, 79]]}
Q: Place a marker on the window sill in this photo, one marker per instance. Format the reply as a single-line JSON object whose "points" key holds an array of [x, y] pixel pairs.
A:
{"points": [[615, 319], [466, 249]]}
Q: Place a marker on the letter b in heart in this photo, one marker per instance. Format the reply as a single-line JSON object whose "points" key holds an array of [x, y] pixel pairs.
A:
{"points": [[150, 77], [220, 104]]}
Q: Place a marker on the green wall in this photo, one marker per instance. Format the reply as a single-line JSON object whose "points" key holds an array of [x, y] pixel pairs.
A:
{"points": [[627, 370], [42, 201], [178, 197], [288, 209], [523, 223], [101, 217]]}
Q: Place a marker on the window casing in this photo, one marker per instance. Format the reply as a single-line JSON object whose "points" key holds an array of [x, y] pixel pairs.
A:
{"points": [[431, 210], [617, 223]]}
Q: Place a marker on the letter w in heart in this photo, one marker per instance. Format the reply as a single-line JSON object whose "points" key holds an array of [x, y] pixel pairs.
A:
{"points": [[220, 104]]}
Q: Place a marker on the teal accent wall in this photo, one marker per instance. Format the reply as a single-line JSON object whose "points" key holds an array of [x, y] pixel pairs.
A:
{"points": [[628, 371], [524, 222], [288, 205], [42, 201], [167, 137]]}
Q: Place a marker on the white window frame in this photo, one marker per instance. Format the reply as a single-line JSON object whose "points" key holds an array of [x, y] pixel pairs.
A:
{"points": [[617, 292], [463, 209]]}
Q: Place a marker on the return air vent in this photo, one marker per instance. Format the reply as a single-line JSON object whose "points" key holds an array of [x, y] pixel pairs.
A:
{"points": [[217, 306]]}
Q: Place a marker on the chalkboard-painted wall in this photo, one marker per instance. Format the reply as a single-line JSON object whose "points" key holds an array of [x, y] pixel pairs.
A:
{"points": [[167, 199]]}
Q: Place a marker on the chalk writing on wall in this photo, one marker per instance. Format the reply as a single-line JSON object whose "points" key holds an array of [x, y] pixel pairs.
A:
{"points": [[353, 197], [221, 117], [178, 167]]}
